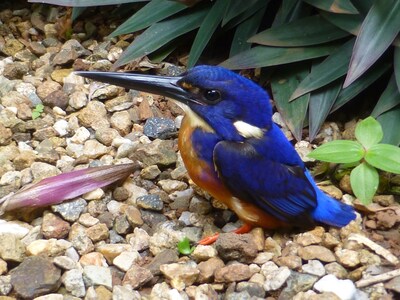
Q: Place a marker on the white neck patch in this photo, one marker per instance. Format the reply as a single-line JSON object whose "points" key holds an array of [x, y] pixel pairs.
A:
{"points": [[247, 130]]}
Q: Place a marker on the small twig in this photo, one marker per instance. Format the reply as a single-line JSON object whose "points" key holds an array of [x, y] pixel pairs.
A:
{"points": [[378, 278], [375, 247]]}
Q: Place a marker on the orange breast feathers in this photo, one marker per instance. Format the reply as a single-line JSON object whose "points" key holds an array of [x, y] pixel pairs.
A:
{"points": [[203, 174]]}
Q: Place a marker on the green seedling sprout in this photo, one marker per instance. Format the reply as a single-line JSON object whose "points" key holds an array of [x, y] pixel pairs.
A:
{"points": [[369, 155], [184, 247], [37, 111]]}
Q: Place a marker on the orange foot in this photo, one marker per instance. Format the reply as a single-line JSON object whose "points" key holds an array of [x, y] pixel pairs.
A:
{"points": [[211, 239]]}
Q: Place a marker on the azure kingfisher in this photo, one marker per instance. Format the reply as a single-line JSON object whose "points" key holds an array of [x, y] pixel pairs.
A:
{"points": [[233, 150]]}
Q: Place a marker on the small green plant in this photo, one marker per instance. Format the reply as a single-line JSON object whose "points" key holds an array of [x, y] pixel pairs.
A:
{"points": [[368, 153], [184, 247], [37, 111]]}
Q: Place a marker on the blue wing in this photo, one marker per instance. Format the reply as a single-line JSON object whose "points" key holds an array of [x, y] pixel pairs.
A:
{"points": [[282, 190]]}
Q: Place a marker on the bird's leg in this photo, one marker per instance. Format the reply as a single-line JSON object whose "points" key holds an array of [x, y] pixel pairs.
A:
{"points": [[211, 239]]}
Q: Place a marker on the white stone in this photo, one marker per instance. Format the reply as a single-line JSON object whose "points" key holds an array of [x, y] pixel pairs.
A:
{"points": [[344, 289], [96, 275], [126, 259], [275, 277], [73, 282], [94, 195], [314, 267], [61, 127], [13, 228], [11, 178], [81, 135]]}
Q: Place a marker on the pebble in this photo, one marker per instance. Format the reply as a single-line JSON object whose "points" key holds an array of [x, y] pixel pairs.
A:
{"points": [[111, 251], [231, 246], [348, 258], [73, 282], [137, 276], [317, 252], [297, 282], [126, 259], [274, 276], [314, 267], [170, 186], [152, 202], [47, 277], [51, 247], [81, 135], [159, 128], [208, 268], [11, 248], [150, 172], [70, 210], [232, 273], [97, 275], [94, 149], [158, 152], [344, 289], [180, 275], [65, 262], [203, 253], [54, 227]]}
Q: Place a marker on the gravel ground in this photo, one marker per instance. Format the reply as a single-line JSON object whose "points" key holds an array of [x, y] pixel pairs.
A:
{"points": [[120, 242]]}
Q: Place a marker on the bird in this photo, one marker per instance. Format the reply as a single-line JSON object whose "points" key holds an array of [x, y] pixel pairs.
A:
{"points": [[233, 150]]}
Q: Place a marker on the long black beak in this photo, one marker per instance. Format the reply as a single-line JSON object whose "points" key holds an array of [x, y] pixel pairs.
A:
{"points": [[160, 85]]}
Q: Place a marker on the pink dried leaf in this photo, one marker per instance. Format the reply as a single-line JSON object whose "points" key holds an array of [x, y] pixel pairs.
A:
{"points": [[56, 189]]}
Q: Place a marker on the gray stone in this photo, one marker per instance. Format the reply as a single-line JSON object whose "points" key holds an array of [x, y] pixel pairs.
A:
{"points": [[254, 289], [240, 247], [159, 152], [152, 202], [5, 285], [167, 256], [46, 277], [96, 275], [73, 282], [297, 282], [159, 128], [70, 210]]}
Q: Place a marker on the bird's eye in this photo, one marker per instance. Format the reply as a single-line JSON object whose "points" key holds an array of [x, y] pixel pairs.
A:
{"points": [[212, 95]]}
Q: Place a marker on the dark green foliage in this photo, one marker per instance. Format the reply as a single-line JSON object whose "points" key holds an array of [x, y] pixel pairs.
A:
{"points": [[356, 39]]}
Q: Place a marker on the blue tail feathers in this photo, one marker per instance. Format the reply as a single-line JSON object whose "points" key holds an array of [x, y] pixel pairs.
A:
{"points": [[330, 211]]}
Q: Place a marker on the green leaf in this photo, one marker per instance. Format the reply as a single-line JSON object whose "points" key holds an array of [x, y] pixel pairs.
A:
{"points": [[389, 98], [369, 132], [349, 23], [364, 181], [396, 66], [283, 83], [259, 5], [390, 122], [206, 30], [360, 84], [159, 34], [85, 3], [235, 8], [377, 32], [154, 11], [39, 108], [184, 247], [333, 67], [339, 151], [304, 32], [363, 6], [262, 56], [321, 102], [289, 10], [244, 31], [385, 157], [334, 6], [35, 114]]}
